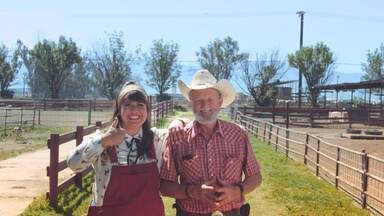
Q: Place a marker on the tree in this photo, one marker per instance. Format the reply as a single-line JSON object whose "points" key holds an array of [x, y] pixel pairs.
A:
{"points": [[317, 65], [161, 66], [79, 83], [8, 71], [261, 76], [220, 57], [36, 84], [374, 68], [55, 61], [111, 66]]}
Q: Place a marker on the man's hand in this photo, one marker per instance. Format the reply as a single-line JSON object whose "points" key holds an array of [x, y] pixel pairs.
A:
{"points": [[114, 135], [204, 192], [227, 193]]}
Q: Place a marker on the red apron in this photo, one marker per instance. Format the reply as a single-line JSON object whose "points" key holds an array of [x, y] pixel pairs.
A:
{"points": [[132, 190]]}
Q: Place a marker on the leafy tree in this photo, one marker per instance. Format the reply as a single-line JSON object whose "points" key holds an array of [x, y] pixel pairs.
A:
{"points": [[317, 65], [374, 68], [79, 82], [220, 57], [36, 84], [110, 65], [261, 76], [8, 71], [162, 67], [55, 61]]}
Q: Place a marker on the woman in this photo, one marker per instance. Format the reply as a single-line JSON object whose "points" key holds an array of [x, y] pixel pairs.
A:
{"points": [[126, 159]]}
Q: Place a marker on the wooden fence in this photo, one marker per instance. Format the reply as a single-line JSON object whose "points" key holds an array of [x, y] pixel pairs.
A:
{"points": [[315, 117], [159, 110], [358, 174]]}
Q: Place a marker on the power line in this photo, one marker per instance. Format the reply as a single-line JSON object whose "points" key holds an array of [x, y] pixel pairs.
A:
{"points": [[347, 17]]}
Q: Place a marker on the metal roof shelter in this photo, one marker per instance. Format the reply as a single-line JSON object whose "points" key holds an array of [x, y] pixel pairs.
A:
{"points": [[372, 84]]}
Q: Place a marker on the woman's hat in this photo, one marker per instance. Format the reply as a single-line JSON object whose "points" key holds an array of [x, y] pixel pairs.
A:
{"points": [[132, 86]]}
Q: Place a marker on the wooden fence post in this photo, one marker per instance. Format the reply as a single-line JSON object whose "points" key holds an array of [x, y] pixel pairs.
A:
{"points": [[157, 113], [350, 118], [172, 104], [364, 178], [21, 116], [99, 124], [5, 121], [162, 109], [45, 104], [337, 167], [53, 145], [79, 139], [39, 115], [257, 129], [265, 131], [317, 157], [286, 143], [89, 112], [270, 134], [277, 139], [306, 148], [311, 118], [34, 117], [166, 108], [287, 116]]}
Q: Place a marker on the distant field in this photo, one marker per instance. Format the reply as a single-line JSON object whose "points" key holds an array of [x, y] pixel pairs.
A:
{"points": [[57, 118]]}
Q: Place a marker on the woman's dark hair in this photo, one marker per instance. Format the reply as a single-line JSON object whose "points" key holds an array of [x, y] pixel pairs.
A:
{"points": [[147, 139]]}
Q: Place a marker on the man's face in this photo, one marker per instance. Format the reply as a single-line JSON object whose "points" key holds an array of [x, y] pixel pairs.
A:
{"points": [[206, 104]]}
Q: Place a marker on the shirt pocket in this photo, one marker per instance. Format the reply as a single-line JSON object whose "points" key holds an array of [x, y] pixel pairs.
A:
{"points": [[232, 169], [191, 169]]}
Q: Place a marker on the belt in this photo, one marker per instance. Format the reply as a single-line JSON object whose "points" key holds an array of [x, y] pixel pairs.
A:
{"points": [[233, 212]]}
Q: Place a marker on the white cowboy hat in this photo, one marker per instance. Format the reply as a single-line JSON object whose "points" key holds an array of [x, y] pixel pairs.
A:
{"points": [[203, 79]]}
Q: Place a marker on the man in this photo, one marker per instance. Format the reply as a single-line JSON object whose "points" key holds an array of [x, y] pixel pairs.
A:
{"points": [[204, 172]]}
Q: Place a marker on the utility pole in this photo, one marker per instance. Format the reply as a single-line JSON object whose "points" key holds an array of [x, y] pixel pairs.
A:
{"points": [[301, 15]]}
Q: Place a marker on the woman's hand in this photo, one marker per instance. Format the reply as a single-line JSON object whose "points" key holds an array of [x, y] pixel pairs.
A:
{"points": [[114, 136]]}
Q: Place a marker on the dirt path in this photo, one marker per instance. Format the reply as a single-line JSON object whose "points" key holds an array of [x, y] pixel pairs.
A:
{"points": [[333, 136], [24, 177]]}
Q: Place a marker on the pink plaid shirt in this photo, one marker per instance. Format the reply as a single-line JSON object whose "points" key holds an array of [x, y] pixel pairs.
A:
{"points": [[225, 156]]}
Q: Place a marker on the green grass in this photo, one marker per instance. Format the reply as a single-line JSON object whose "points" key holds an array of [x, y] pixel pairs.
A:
{"points": [[73, 201], [31, 139], [288, 188]]}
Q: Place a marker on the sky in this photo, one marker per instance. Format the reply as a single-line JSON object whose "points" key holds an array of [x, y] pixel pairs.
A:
{"points": [[350, 28]]}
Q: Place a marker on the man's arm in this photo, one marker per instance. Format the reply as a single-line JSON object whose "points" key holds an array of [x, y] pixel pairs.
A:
{"points": [[229, 193], [250, 183], [204, 192], [173, 189]]}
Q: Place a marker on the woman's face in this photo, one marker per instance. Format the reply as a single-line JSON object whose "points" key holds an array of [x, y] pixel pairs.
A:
{"points": [[133, 114]]}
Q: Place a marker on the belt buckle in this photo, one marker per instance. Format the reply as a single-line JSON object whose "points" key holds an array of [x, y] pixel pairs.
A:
{"points": [[217, 213]]}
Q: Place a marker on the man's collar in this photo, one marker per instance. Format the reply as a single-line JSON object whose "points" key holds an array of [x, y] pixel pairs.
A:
{"points": [[196, 129]]}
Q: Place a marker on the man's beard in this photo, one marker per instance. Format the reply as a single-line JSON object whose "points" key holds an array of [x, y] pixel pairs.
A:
{"points": [[207, 119]]}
